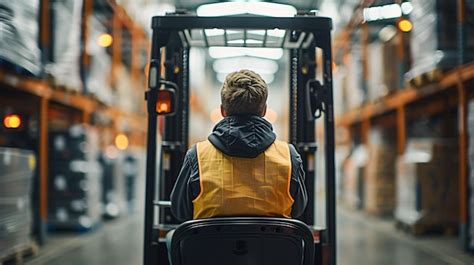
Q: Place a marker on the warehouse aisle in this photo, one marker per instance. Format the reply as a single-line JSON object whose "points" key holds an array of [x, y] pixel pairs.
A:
{"points": [[362, 240], [118, 242], [367, 240]]}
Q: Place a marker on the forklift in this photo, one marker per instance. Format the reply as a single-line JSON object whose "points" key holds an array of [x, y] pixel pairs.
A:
{"points": [[238, 240]]}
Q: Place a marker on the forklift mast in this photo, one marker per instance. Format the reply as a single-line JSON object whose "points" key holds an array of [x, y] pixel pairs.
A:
{"points": [[173, 36]]}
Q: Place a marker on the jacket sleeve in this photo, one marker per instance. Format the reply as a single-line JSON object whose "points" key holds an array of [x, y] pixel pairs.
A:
{"points": [[184, 189], [297, 185]]}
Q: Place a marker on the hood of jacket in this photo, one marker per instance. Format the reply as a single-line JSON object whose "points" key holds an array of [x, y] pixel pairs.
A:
{"points": [[242, 136]]}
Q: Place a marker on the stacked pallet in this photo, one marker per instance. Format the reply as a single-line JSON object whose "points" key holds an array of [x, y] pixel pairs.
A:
{"points": [[427, 177], [16, 172], [383, 74], [434, 42], [356, 93], [64, 65], [19, 36], [75, 179], [379, 190], [353, 178], [97, 81], [471, 173]]}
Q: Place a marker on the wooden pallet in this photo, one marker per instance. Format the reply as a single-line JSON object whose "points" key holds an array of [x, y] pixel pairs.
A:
{"points": [[429, 77], [62, 87], [419, 229], [17, 254]]}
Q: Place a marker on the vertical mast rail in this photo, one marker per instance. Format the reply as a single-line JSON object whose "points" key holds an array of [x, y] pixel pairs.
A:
{"points": [[329, 148]]}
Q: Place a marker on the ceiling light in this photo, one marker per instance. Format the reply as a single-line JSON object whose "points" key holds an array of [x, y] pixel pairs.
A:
{"points": [[261, 66], [214, 32], [406, 7], [242, 41], [121, 142], [241, 8], [105, 40], [382, 12], [405, 25], [226, 52]]}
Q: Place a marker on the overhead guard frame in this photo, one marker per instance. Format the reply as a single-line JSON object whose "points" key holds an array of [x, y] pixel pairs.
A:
{"points": [[166, 28]]}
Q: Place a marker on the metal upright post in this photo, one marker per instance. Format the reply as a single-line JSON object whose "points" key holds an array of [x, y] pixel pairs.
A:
{"points": [[150, 182], [45, 35], [303, 140], [329, 148], [461, 5], [463, 175], [175, 138]]}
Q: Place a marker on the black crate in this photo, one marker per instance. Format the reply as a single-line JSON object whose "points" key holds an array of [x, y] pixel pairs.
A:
{"points": [[64, 147]]}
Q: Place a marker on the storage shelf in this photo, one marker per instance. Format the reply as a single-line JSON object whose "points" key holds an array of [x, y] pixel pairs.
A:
{"points": [[84, 103], [406, 96]]}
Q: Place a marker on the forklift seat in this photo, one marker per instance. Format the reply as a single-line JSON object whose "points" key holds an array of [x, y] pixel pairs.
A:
{"points": [[242, 241]]}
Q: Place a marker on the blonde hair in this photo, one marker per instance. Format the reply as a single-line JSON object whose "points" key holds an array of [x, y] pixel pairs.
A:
{"points": [[244, 92]]}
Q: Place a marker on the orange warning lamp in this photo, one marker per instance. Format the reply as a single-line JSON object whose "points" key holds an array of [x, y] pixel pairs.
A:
{"points": [[12, 121], [165, 102], [405, 25]]}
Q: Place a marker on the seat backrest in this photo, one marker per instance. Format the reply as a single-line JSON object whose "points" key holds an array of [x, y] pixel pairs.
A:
{"points": [[242, 241]]}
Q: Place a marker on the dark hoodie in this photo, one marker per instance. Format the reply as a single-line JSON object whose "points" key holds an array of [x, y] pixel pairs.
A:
{"points": [[241, 136]]}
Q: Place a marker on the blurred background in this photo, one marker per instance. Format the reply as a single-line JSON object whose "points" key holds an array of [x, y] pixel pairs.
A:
{"points": [[73, 124]]}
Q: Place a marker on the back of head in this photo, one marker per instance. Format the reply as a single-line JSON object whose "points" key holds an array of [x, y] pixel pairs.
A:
{"points": [[244, 93]]}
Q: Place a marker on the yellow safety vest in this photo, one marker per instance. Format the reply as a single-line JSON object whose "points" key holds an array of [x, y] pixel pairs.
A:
{"points": [[237, 186]]}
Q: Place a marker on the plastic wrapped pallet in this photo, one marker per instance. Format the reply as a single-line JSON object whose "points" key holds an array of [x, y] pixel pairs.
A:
{"points": [[19, 34], [354, 85], [375, 84], [392, 76], [338, 88], [128, 94], [16, 172], [65, 66], [353, 178], [75, 179], [98, 76], [470, 128], [427, 179], [383, 77], [434, 40], [379, 189]]}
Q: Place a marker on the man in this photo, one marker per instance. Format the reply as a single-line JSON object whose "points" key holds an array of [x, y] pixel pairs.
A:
{"points": [[241, 170]]}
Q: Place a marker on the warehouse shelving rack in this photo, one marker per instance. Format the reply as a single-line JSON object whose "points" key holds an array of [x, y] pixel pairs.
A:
{"points": [[452, 90], [46, 94]]}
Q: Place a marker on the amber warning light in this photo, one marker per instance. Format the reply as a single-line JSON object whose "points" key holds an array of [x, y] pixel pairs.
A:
{"points": [[12, 121], [165, 102]]}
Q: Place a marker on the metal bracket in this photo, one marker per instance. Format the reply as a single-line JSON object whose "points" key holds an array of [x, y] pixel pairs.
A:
{"points": [[315, 99], [171, 146], [310, 147], [165, 204]]}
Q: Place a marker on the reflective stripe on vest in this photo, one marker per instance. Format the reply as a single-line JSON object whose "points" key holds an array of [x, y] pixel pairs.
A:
{"points": [[237, 186]]}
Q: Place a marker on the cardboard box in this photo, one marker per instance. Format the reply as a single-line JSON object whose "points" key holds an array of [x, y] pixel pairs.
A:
{"points": [[427, 184]]}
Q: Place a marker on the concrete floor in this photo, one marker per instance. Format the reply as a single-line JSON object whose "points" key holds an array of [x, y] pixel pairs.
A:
{"points": [[361, 240]]}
